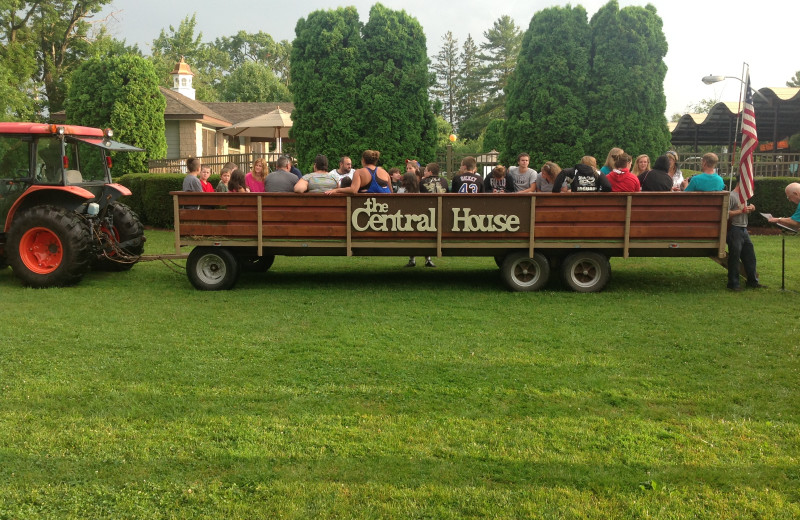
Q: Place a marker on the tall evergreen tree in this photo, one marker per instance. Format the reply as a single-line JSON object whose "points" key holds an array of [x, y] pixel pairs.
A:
{"points": [[498, 60], [626, 94], [121, 92], [326, 69], [471, 93], [396, 118], [503, 41], [446, 67], [546, 106]]}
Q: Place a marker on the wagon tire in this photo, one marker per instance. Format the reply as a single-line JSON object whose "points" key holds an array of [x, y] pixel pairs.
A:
{"points": [[127, 229], [49, 246], [256, 264], [586, 271], [523, 273], [212, 268]]}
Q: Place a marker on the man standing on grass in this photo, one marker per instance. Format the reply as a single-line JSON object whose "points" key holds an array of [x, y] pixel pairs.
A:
{"points": [[281, 180], [740, 247], [793, 194], [708, 180]]}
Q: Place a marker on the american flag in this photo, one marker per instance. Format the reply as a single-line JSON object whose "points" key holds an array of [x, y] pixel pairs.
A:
{"points": [[749, 144]]}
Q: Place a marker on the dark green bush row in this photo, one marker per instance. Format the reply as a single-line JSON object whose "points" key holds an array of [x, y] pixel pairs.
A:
{"points": [[152, 201]]}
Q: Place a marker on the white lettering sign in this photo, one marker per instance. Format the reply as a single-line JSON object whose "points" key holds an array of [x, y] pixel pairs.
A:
{"points": [[375, 216]]}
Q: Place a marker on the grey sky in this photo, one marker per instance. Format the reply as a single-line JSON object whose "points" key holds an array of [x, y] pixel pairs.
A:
{"points": [[705, 37]]}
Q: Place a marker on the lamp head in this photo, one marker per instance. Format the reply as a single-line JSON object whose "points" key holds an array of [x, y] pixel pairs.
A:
{"points": [[708, 80]]}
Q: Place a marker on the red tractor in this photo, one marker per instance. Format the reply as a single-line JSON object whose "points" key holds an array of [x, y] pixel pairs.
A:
{"points": [[59, 214]]}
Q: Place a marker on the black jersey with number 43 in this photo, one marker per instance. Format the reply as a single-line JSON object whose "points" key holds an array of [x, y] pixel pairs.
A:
{"points": [[467, 183]]}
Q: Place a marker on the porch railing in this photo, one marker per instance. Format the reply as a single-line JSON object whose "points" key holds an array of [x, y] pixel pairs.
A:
{"points": [[216, 162]]}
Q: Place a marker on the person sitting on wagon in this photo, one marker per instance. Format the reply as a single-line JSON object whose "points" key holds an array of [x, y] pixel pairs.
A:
{"points": [[621, 178], [318, 181], [431, 182], [657, 178], [281, 180], [467, 180], [581, 179], [371, 178], [708, 180], [498, 182]]}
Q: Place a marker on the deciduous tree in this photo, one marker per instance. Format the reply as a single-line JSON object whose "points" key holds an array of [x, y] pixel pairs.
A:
{"points": [[253, 81]]}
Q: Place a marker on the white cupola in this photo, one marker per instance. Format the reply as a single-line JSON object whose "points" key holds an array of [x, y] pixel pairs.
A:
{"points": [[182, 79]]}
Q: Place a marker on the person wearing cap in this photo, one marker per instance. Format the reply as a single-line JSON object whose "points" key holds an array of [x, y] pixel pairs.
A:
{"points": [[708, 180]]}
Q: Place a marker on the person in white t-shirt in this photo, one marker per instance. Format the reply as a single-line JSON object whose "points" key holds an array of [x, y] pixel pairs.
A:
{"points": [[345, 169]]}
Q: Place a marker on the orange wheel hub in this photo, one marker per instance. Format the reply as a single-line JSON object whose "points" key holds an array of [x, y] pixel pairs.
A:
{"points": [[41, 250]]}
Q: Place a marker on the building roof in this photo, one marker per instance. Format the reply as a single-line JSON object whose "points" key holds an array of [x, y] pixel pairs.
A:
{"points": [[182, 68], [182, 107], [236, 112], [777, 116]]}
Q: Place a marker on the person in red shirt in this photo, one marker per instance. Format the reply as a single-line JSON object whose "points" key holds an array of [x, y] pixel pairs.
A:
{"points": [[620, 177], [205, 173]]}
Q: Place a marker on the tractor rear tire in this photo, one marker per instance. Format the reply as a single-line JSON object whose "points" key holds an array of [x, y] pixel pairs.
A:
{"points": [[49, 246], [127, 229], [212, 268]]}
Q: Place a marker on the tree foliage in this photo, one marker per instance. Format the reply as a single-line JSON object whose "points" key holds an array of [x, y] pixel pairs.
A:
{"points": [[258, 47], [41, 43], [121, 92], [326, 69], [355, 92], [397, 117], [546, 106], [795, 81], [446, 68], [255, 82], [471, 93], [626, 95], [207, 61]]}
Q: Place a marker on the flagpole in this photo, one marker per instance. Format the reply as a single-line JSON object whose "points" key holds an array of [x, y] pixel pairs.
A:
{"points": [[738, 134]]}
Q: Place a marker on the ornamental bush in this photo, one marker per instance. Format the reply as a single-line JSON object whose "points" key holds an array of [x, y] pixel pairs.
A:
{"points": [[121, 92]]}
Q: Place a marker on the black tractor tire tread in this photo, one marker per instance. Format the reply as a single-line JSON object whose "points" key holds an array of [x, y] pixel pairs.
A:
{"points": [[129, 227]]}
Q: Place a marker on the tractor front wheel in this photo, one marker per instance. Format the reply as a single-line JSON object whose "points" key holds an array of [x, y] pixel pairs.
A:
{"points": [[49, 246]]}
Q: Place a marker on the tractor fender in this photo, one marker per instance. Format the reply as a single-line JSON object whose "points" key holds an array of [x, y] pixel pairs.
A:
{"points": [[67, 197], [112, 192]]}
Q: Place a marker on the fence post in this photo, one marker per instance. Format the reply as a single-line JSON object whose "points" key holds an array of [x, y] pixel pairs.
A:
{"points": [[450, 171]]}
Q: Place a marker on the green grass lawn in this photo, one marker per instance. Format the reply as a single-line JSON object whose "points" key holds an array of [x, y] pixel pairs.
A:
{"points": [[355, 388]]}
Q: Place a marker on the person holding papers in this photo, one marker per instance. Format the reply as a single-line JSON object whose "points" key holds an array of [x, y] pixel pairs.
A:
{"points": [[793, 222]]}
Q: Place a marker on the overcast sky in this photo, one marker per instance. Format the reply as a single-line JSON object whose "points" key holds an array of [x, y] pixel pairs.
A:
{"points": [[705, 37]]}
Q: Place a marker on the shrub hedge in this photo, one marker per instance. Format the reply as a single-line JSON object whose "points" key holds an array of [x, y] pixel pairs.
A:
{"points": [[152, 202]]}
